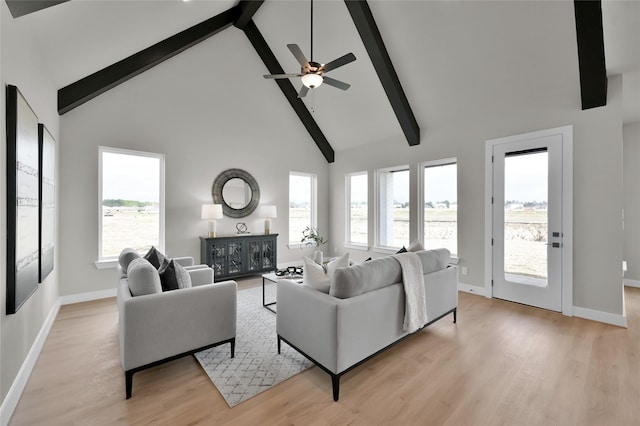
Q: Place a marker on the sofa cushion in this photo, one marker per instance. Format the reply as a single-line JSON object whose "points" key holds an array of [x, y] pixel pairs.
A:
{"points": [[365, 277], [319, 277], [126, 256], [155, 257], [174, 276], [382, 272], [434, 260], [143, 278]]}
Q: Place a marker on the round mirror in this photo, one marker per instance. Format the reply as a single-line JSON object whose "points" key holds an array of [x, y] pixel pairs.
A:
{"points": [[237, 191]]}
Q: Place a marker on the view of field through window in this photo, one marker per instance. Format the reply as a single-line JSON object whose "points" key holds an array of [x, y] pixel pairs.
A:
{"points": [[441, 207], [525, 214], [358, 208], [300, 205], [130, 203], [393, 208]]}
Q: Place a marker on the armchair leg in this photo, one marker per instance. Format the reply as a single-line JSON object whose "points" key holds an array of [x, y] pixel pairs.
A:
{"points": [[128, 378], [455, 315], [335, 384], [233, 347], [279, 344]]}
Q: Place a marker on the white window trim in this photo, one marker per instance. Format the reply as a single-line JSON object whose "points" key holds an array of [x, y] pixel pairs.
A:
{"points": [[111, 262], [377, 247], [314, 206], [421, 167], [348, 243]]}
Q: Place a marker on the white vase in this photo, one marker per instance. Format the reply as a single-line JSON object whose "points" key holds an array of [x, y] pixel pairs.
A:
{"points": [[318, 257]]}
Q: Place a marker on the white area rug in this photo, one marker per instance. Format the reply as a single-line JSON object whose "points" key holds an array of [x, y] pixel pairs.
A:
{"points": [[257, 365]]}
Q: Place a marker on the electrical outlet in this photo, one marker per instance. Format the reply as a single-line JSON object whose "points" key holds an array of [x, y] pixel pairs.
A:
{"points": [[464, 270]]}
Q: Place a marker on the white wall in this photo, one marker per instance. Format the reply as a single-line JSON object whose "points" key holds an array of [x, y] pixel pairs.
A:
{"points": [[177, 109], [597, 183], [631, 136], [21, 66]]}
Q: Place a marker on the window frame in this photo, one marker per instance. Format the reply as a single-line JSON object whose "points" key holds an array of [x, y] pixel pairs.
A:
{"points": [[421, 169], [112, 262], [348, 243], [314, 206], [379, 248]]}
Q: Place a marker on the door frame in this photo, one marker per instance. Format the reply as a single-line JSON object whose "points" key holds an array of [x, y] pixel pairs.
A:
{"points": [[566, 133]]}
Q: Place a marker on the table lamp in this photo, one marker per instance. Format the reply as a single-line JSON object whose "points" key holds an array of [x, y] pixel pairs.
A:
{"points": [[268, 212], [211, 212]]}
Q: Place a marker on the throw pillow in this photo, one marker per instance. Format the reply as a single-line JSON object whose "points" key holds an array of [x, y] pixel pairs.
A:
{"points": [[155, 257], [402, 250], [319, 277], [174, 276], [143, 278], [415, 246], [126, 256]]}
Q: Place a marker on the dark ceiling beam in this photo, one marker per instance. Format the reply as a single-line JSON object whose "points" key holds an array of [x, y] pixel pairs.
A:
{"points": [[591, 59], [272, 64], [19, 8], [370, 35], [107, 78], [248, 8]]}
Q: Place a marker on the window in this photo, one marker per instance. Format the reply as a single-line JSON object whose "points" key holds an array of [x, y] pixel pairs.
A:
{"points": [[393, 207], [440, 204], [302, 204], [131, 197], [357, 208]]}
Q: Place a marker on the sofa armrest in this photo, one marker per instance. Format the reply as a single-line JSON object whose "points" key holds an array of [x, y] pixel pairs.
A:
{"points": [[157, 326], [307, 319], [200, 276]]}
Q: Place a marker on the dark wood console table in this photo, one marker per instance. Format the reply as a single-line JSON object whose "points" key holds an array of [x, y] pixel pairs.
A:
{"points": [[233, 256]]}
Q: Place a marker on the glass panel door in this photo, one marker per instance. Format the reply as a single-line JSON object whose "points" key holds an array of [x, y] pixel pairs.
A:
{"points": [[527, 221]]}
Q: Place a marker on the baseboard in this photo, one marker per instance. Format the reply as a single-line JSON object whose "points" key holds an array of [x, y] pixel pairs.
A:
{"points": [[473, 289], [87, 297], [17, 387], [631, 283], [600, 316]]}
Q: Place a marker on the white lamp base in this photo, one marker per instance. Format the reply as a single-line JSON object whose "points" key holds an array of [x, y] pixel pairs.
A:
{"points": [[212, 229], [267, 226]]}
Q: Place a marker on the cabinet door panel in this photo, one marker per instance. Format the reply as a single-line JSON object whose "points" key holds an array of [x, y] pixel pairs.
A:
{"points": [[268, 261], [255, 256], [235, 257]]}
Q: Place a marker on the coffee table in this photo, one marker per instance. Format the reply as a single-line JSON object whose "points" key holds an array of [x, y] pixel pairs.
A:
{"points": [[273, 279]]}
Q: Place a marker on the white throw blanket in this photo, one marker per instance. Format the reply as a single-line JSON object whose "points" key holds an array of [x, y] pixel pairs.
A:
{"points": [[415, 307]]}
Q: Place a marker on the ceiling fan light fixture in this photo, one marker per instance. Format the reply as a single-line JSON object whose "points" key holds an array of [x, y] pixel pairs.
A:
{"points": [[312, 80]]}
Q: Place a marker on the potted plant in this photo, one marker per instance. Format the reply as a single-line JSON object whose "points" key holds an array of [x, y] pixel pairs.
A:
{"points": [[311, 237]]}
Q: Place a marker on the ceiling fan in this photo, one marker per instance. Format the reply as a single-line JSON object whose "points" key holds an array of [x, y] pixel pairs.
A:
{"points": [[313, 73]]}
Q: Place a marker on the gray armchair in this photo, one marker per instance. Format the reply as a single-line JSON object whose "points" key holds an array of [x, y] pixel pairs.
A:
{"points": [[163, 326]]}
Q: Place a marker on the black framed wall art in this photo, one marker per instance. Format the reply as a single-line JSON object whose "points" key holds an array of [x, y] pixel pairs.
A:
{"points": [[47, 200], [23, 210]]}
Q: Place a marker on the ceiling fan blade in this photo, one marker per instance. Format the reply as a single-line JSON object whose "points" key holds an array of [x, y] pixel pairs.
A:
{"points": [[297, 52], [282, 75], [335, 83], [303, 91], [343, 60]]}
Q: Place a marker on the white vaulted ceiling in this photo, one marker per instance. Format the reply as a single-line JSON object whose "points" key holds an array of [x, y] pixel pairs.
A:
{"points": [[440, 49]]}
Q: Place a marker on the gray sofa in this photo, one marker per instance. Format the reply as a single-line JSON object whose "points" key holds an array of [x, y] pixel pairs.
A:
{"points": [[163, 326], [363, 312]]}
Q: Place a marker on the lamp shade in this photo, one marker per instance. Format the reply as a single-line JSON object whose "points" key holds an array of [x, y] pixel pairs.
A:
{"points": [[312, 80], [268, 212], [211, 211]]}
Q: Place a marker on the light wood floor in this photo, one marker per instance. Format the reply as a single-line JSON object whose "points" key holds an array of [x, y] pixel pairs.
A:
{"points": [[501, 364]]}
